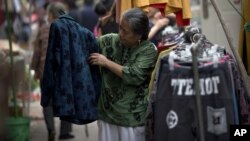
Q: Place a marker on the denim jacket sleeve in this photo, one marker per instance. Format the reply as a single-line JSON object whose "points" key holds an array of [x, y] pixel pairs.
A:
{"points": [[93, 47]]}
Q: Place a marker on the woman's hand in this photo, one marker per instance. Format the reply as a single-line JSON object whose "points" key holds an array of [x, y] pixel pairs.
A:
{"points": [[98, 59], [101, 60]]}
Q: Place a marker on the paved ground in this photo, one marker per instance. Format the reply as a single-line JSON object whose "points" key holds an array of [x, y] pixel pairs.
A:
{"points": [[38, 130]]}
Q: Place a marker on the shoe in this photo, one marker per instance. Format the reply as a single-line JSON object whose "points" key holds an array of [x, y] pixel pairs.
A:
{"points": [[66, 136], [51, 136]]}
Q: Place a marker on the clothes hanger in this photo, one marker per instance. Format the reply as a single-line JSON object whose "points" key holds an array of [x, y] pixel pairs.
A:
{"points": [[186, 56]]}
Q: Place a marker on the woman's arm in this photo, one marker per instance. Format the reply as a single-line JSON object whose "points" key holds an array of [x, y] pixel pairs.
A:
{"points": [[133, 74], [157, 26], [35, 62]]}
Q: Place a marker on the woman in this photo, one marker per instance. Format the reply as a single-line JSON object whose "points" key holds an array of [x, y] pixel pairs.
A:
{"points": [[108, 23], [54, 10], [157, 23], [126, 62]]}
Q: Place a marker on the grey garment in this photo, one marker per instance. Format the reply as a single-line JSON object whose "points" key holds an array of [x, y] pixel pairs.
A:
{"points": [[49, 118], [65, 126], [2, 32]]}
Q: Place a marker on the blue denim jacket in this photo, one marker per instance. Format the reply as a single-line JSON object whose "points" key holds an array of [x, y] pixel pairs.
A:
{"points": [[69, 80]]}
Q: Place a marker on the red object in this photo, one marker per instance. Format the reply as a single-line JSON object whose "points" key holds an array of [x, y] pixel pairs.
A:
{"points": [[161, 47], [28, 96], [1, 16], [179, 19]]}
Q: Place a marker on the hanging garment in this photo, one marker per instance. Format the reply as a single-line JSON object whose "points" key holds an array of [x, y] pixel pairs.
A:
{"points": [[125, 5], [128, 4], [68, 79], [175, 93], [180, 7], [182, 10], [143, 4], [244, 42], [140, 3], [241, 94], [155, 71], [149, 131]]}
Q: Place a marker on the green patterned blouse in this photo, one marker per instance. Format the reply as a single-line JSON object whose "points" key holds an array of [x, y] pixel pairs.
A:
{"points": [[123, 101]]}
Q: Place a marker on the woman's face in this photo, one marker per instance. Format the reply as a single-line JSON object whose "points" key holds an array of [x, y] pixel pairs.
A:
{"points": [[127, 37]]}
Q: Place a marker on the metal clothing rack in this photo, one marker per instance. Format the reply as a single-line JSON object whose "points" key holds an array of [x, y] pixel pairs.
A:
{"points": [[197, 88]]}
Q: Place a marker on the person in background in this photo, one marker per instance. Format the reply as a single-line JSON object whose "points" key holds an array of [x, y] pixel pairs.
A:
{"points": [[54, 10], [100, 9], [126, 62], [88, 17], [72, 9], [157, 24], [107, 24], [107, 3]]}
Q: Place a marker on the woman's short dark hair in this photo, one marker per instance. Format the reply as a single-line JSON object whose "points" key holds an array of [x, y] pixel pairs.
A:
{"points": [[138, 21]]}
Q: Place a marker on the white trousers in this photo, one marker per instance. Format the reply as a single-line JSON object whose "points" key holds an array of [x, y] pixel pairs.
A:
{"points": [[110, 132]]}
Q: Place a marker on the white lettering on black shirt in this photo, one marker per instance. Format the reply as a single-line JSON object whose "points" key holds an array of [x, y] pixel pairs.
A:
{"points": [[208, 86]]}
